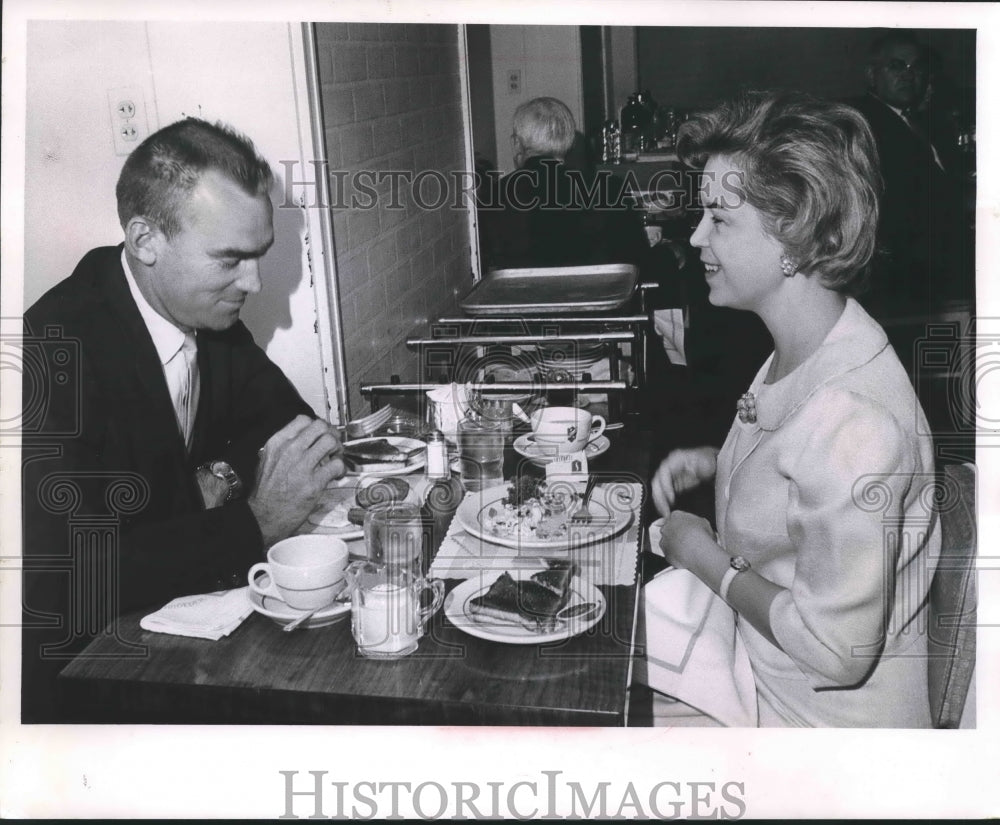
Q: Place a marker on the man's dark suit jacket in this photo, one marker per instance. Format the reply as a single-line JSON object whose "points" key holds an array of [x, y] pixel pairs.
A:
{"points": [[113, 519], [926, 247]]}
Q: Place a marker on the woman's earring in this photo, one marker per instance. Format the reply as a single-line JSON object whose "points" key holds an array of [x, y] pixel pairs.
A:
{"points": [[788, 267]]}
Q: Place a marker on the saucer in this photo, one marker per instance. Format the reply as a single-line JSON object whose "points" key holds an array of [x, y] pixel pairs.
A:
{"points": [[280, 613], [523, 445]]}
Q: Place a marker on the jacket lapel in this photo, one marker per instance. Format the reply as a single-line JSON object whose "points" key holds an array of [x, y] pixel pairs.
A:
{"points": [[141, 379]]}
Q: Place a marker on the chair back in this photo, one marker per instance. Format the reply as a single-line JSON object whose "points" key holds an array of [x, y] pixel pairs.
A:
{"points": [[953, 599]]}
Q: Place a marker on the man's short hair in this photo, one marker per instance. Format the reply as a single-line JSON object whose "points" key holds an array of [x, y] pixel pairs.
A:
{"points": [[159, 175], [890, 38], [545, 127]]}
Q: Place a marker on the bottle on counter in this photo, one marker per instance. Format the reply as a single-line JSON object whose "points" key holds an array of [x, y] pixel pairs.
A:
{"points": [[666, 136], [633, 122], [611, 142], [647, 128]]}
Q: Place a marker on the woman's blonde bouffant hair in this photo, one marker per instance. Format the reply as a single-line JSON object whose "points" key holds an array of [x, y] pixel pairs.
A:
{"points": [[810, 167]]}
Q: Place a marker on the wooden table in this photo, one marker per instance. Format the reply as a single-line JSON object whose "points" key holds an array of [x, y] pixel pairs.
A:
{"points": [[262, 675]]}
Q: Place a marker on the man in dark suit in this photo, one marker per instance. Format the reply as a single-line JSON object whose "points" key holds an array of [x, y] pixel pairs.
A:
{"points": [[925, 243], [162, 450]]}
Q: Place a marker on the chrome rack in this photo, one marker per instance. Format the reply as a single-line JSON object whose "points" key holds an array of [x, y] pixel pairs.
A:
{"points": [[376, 391]]}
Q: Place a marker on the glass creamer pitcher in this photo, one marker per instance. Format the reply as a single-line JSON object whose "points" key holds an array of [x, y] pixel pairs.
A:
{"points": [[388, 612]]}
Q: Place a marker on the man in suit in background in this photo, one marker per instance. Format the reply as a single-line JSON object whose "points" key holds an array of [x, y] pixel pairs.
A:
{"points": [[176, 452], [925, 240]]}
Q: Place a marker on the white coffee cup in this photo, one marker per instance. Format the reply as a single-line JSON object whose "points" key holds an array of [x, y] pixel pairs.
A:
{"points": [[305, 572], [568, 429]]}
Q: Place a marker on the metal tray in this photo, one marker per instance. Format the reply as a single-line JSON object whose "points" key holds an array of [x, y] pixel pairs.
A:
{"points": [[560, 289]]}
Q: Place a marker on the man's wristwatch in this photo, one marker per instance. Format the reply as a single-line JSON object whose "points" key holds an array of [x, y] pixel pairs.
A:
{"points": [[222, 469], [737, 565]]}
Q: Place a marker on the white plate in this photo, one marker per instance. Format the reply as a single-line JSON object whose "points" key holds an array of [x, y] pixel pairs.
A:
{"points": [[542, 455], [280, 613], [335, 501], [340, 497], [456, 608], [611, 516], [391, 468]]}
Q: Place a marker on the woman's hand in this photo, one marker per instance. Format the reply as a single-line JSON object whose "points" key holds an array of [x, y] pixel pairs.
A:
{"points": [[680, 471], [687, 541]]}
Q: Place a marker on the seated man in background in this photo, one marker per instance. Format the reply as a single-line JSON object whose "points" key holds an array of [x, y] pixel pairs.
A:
{"points": [[926, 244], [926, 237], [178, 436], [546, 214]]}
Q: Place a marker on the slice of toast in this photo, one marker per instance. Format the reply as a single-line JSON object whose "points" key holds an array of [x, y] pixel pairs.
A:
{"points": [[557, 578], [378, 453], [531, 604]]}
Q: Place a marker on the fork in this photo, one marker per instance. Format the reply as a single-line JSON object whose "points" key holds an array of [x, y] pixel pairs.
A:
{"points": [[363, 427], [582, 515]]}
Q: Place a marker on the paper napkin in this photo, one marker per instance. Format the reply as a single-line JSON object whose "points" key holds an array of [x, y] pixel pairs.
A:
{"points": [[204, 616], [694, 651]]}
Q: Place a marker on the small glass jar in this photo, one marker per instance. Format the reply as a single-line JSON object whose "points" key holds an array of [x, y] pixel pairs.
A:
{"points": [[437, 466]]}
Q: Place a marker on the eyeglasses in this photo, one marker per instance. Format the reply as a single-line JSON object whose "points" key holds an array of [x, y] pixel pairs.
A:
{"points": [[897, 66]]}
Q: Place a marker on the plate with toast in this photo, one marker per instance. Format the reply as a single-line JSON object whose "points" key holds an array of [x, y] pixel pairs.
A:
{"points": [[525, 607], [388, 455]]}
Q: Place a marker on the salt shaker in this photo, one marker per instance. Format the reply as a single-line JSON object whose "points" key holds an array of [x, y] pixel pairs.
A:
{"points": [[437, 466]]}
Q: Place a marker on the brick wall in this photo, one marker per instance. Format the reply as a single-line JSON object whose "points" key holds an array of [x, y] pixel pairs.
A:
{"points": [[392, 102]]}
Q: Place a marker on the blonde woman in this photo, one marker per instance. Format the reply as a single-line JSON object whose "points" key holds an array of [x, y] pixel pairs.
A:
{"points": [[824, 549]]}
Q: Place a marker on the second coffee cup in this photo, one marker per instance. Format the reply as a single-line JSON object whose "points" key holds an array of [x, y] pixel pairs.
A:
{"points": [[567, 429]]}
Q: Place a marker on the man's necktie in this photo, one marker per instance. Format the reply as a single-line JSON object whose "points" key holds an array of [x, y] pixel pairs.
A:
{"points": [[187, 391]]}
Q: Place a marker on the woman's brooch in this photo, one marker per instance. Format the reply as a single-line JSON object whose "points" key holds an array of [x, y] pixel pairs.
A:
{"points": [[746, 407]]}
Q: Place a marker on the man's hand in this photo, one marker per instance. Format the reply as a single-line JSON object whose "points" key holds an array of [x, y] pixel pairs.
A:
{"points": [[295, 467], [680, 471]]}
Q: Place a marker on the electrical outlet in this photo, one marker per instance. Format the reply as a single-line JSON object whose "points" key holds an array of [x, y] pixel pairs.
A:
{"points": [[129, 124], [514, 81], [125, 109]]}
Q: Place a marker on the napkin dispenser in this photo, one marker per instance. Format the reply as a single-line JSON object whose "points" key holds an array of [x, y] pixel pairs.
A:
{"points": [[447, 405], [569, 469]]}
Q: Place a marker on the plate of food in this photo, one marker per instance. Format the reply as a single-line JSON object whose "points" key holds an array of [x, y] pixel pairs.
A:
{"points": [[525, 607], [342, 506], [533, 514], [385, 456], [281, 613]]}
